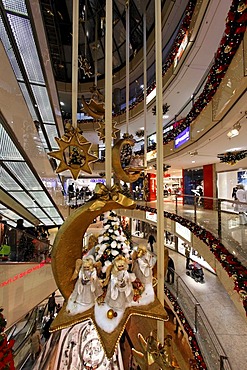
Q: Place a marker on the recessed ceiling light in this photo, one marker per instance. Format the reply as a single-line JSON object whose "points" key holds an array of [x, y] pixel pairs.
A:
{"points": [[62, 103], [165, 116], [193, 162], [141, 128]]}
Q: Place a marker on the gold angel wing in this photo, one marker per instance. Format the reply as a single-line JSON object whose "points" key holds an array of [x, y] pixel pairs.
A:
{"points": [[78, 264]]}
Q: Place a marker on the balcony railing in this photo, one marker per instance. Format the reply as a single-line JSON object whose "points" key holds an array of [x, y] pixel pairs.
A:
{"points": [[212, 350], [20, 246]]}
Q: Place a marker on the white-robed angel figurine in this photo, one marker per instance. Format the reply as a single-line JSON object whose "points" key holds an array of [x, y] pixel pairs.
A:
{"points": [[143, 262], [120, 290], [87, 288]]}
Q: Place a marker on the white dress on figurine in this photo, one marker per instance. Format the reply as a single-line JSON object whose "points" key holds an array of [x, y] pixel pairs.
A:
{"points": [[120, 290], [143, 264], [87, 288]]}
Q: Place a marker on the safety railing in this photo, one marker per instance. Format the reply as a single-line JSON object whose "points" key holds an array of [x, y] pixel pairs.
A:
{"points": [[225, 219], [20, 246], [211, 348]]}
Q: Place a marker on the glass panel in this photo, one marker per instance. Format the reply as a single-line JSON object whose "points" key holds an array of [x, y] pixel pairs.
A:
{"points": [[43, 103], [23, 198], [7, 182], [41, 198], [58, 221], [22, 31], [37, 212], [52, 212], [17, 6], [9, 51], [10, 214], [28, 101], [47, 222], [8, 149], [52, 133], [24, 175]]}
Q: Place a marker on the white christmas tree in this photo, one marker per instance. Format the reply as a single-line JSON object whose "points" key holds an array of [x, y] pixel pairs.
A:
{"points": [[112, 242]]}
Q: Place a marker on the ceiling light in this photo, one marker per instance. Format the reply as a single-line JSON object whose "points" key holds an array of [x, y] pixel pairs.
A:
{"points": [[193, 162], [165, 116], [62, 103], [234, 131], [192, 154]]}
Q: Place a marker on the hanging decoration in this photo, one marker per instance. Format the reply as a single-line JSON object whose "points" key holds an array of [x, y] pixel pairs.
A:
{"points": [[101, 130], [6, 355], [85, 65], [232, 157], [230, 263], [154, 352], [102, 274], [95, 109], [74, 152], [126, 166]]}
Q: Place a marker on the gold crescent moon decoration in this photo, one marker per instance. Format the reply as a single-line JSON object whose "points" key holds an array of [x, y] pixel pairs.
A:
{"points": [[93, 108], [68, 248], [131, 174]]}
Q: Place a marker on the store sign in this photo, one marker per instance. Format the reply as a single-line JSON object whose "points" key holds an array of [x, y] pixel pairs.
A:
{"points": [[182, 138], [102, 181], [183, 231], [151, 216]]}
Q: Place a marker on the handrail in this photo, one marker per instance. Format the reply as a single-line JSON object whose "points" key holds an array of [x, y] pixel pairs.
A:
{"points": [[20, 246], [204, 332]]}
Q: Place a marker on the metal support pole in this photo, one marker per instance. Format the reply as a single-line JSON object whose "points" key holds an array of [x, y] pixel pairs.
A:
{"points": [[108, 94], [159, 162], [75, 62], [145, 87], [196, 317], [219, 219], [176, 204], [127, 66], [195, 204]]}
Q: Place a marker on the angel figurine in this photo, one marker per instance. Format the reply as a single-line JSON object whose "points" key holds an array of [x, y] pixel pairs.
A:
{"points": [[120, 290], [87, 288], [143, 262]]}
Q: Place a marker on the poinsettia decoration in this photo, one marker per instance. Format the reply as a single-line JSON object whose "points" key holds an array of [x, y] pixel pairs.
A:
{"points": [[187, 328], [6, 356]]}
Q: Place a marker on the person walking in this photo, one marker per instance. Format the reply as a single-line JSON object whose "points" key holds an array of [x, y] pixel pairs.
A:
{"points": [[151, 241], [187, 255], [170, 271], [52, 304]]}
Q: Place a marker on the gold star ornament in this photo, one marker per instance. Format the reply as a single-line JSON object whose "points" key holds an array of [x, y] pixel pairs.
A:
{"points": [[73, 154], [101, 131]]}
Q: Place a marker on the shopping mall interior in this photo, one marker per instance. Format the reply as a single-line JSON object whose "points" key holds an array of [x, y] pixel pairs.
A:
{"points": [[123, 184]]}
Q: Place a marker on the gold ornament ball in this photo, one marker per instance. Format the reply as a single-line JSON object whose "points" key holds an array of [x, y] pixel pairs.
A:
{"points": [[110, 314]]}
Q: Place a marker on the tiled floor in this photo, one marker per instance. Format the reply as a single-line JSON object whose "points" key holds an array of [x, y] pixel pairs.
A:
{"points": [[228, 324]]}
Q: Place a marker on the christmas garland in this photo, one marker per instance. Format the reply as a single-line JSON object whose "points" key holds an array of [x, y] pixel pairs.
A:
{"points": [[233, 35], [230, 264], [189, 331], [6, 356]]}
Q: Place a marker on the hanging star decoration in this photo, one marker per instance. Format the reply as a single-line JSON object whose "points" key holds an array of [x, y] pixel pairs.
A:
{"points": [[84, 65], [101, 130], [153, 352], [74, 152]]}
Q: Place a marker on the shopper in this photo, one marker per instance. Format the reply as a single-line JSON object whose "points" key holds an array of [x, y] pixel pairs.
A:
{"points": [[187, 255], [170, 271], [35, 343], [151, 241], [52, 304]]}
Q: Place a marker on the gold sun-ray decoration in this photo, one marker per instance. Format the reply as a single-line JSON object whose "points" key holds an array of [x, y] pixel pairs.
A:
{"points": [[101, 130], [73, 154]]}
